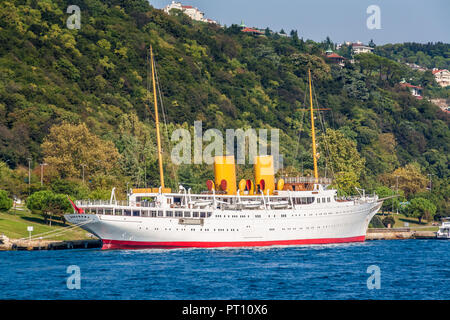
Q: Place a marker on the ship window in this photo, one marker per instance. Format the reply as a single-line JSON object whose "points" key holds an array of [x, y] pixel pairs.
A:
{"points": [[127, 212], [153, 213], [169, 213], [187, 214], [209, 214], [328, 199], [318, 200], [202, 214], [195, 214], [160, 213], [108, 211], [136, 213], [178, 214]]}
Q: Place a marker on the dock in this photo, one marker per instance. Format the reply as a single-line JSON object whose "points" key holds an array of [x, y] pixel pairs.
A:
{"points": [[398, 234], [14, 244]]}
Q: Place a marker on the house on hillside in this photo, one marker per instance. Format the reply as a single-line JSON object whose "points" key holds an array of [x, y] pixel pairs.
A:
{"points": [[253, 31], [416, 91], [190, 11], [358, 48], [334, 57], [416, 67], [442, 77]]}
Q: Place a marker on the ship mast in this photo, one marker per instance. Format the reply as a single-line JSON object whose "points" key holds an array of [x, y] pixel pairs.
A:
{"points": [[158, 137], [313, 132]]}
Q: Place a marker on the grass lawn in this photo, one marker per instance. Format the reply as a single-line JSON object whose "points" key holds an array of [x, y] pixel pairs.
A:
{"points": [[15, 222], [414, 224]]}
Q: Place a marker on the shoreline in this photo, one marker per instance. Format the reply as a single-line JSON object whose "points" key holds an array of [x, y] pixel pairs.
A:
{"points": [[398, 234], [7, 244]]}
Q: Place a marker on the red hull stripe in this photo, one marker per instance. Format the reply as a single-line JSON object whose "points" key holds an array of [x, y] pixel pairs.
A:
{"points": [[118, 244]]}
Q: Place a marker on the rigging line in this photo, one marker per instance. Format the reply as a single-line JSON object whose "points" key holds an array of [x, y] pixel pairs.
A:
{"points": [[52, 231], [327, 149], [62, 231], [165, 117], [55, 231], [323, 127], [300, 131]]}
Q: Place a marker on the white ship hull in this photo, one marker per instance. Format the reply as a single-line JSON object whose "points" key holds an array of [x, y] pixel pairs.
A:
{"points": [[311, 224]]}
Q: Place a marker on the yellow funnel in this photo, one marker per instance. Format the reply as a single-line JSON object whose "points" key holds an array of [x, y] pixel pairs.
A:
{"points": [[225, 174], [264, 173]]}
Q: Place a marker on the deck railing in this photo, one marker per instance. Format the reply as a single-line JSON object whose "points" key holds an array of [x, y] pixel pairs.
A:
{"points": [[123, 203], [320, 180]]}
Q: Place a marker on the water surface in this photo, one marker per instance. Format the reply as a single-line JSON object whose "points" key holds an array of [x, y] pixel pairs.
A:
{"points": [[410, 269]]}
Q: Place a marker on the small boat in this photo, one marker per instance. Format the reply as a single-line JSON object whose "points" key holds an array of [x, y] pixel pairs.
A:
{"points": [[444, 230]]}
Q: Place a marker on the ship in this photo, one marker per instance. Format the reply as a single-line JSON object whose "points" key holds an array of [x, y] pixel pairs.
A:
{"points": [[252, 213]]}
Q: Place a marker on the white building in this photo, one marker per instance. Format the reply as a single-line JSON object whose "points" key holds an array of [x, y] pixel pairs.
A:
{"points": [[442, 77], [190, 11], [360, 48]]}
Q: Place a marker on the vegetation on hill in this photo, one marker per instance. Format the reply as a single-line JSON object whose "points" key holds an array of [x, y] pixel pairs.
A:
{"points": [[78, 100], [430, 55]]}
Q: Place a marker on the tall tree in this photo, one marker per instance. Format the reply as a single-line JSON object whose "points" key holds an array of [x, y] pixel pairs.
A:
{"points": [[421, 208], [345, 161], [5, 201], [409, 178], [68, 147]]}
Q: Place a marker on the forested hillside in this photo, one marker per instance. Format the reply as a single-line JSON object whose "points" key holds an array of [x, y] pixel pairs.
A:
{"points": [[79, 101], [430, 55]]}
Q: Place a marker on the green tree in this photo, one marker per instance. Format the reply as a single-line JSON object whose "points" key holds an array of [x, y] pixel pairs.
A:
{"points": [[345, 161], [421, 208], [410, 179], [73, 188], [388, 204], [48, 204], [5, 202], [69, 146]]}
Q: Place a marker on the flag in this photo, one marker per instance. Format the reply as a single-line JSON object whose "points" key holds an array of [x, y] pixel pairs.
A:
{"points": [[78, 210]]}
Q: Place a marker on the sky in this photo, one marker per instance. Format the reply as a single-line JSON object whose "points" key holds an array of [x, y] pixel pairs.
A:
{"points": [[342, 20]]}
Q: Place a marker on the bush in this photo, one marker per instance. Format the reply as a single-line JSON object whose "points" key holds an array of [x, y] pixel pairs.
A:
{"points": [[5, 202], [376, 222], [389, 220]]}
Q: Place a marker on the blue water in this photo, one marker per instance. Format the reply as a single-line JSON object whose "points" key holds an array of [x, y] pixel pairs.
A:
{"points": [[409, 269]]}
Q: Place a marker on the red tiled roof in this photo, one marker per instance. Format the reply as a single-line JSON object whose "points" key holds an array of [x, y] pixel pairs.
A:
{"points": [[187, 7], [437, 71], [335, 55], [410, 85], [251, 30]]}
